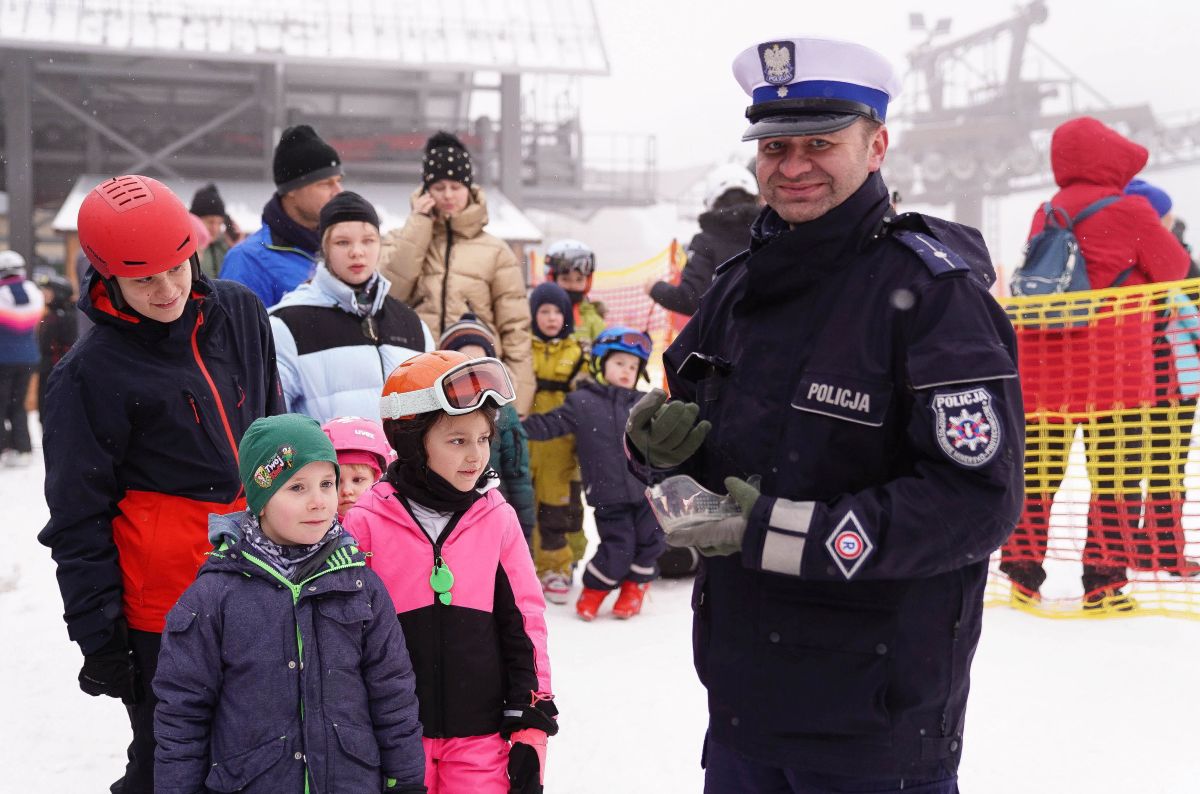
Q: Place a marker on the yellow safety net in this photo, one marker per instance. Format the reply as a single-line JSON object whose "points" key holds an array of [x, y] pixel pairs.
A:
{"points": [[1110, 380]]}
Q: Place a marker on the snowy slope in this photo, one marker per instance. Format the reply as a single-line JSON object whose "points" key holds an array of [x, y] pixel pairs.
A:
{"points": [[1058, 706]]}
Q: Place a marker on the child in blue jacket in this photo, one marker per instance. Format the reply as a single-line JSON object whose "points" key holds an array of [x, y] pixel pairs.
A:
{"points": [[283, 668]]}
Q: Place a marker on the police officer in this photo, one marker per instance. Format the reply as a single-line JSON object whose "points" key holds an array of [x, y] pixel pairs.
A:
{"points": [[856, 363]]}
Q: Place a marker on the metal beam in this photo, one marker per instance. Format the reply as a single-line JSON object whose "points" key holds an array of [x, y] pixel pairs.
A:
{"points": [[18, 150], [154, 70], [102, 128], [510, 137], [198, 132]]}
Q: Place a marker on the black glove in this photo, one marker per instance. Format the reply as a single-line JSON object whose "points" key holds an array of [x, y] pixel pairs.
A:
{"points": [[110, 670], [540, 715], [525, 765]]}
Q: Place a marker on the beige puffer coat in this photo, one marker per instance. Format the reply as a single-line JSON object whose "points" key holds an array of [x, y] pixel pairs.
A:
{"points": [[483, 277]]}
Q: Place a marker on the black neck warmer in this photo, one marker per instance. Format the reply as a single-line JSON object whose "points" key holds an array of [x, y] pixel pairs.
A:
{"points": [[414, 481]]}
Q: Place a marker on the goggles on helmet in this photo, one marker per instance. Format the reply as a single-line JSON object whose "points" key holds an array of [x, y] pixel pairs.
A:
{"points": [[634, 342], [583, 262], [459, 390]]}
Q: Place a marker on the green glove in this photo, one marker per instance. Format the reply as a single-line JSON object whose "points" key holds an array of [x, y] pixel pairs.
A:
{"points": [[665, 432], [724, 537]]}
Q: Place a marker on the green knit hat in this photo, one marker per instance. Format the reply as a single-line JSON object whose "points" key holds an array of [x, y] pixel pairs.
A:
{"points": [[276, 447]]}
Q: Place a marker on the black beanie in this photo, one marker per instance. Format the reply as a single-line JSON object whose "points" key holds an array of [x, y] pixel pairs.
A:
{"points": [[207, 201], [346, 206], [302, 158], [445, 158]]}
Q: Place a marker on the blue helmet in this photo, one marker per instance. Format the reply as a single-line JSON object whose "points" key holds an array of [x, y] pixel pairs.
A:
{"points": [[620, 339]]}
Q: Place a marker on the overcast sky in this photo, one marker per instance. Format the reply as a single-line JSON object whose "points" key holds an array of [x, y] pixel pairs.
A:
{"points": [[670, 68]]}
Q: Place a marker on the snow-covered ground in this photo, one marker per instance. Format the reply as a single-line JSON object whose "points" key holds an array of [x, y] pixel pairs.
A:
{"points": [[1057, 706]]}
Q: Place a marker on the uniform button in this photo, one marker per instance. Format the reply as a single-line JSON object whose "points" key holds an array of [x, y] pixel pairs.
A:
{"points": [[734, 722], [954, 747], [358, 582], [298, 756], [773, 636], [312, 588], [291, 665], [302, 665], [881, 649]]}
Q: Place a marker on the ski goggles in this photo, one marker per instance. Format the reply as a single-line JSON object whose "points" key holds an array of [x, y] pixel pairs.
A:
{"points": [[572, 263], [634, 340], [459, 390]]}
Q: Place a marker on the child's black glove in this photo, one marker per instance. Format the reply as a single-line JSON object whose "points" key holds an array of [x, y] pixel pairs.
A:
{"points": [[527, 761], [110, 670]]}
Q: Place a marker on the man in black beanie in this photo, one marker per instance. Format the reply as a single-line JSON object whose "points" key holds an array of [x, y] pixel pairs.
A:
{"points": [[209, 207], [283, 253]]}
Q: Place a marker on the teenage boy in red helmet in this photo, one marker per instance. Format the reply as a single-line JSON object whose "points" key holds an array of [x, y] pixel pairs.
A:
{"points": [[143, 419]]}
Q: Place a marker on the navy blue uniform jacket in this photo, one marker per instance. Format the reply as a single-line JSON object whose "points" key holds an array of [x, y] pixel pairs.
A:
{"points": [[596, 413], [870, 379]]}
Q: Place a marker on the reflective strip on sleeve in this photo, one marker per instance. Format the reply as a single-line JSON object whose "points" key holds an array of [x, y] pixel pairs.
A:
{"points": [[783, 546], [792, 516]]}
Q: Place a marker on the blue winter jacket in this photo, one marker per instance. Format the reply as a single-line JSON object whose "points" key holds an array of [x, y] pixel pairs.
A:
{"points": [[269, 267], [269, 686], [596, 414]]}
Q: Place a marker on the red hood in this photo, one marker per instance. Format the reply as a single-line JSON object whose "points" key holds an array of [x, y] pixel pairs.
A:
{"points": [[1085, 151]]}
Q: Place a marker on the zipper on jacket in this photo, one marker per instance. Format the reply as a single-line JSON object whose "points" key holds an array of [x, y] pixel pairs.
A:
{"points": [[295, 590], [446, 274], [435, 709], [192, 402], [216, 394]]}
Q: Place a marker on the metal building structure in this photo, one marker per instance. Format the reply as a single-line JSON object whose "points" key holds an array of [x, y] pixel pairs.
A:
{"points": [[201, 89], [977, 116]]}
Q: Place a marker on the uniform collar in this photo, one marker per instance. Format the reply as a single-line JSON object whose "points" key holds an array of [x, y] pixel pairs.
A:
{"points": [[785, 258]]}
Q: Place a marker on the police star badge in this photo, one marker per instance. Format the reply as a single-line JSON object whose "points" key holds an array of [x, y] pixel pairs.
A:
{"points": [[778, 61], [849, 545], [966, 426]]}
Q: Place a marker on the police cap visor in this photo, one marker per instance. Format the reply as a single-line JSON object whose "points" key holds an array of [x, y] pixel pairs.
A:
{"points": [[799, 124]]}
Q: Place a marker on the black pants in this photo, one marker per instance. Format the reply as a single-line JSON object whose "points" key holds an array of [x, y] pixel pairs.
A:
{"points": [[139, 771], [14, 424]]}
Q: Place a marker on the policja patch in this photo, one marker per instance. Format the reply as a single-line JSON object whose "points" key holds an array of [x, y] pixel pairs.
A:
{"points": [[966, 426]]}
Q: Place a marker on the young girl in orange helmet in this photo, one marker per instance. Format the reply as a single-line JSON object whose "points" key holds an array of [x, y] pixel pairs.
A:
{"points": [[451, 552]]}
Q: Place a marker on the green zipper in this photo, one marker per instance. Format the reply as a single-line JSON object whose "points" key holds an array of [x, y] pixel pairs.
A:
{"points": [[339, 560]]}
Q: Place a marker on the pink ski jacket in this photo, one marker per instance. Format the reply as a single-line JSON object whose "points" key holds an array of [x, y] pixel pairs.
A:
{"points": [[482, 657]]}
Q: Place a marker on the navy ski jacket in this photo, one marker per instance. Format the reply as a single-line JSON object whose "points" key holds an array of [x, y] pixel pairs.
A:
{"points": [[143, 421], [596, 413], [265, 685]]}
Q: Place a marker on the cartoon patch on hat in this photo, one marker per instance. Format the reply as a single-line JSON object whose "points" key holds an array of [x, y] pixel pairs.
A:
{"points": [[265, 474], [967, 428]]}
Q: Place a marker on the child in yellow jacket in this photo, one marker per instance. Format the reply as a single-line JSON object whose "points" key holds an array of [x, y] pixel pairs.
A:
{"points": [[557, 358]]}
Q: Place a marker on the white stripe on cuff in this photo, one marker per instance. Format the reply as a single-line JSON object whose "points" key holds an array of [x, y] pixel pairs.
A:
{"points": [[783, 552], [792, 516], [594, 571]]}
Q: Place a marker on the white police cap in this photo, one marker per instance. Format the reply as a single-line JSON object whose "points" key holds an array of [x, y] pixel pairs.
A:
{"points": [[812, 86]]}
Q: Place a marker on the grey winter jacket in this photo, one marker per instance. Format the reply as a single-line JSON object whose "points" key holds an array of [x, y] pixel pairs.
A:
{"points": [[261, 681], [596, 414]]}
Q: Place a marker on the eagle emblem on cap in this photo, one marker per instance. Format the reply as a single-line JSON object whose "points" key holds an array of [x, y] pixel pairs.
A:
{"points": [[777, 62]]}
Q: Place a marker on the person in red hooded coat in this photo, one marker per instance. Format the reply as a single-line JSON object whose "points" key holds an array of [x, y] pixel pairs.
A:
{"points": [[1123, 244]]}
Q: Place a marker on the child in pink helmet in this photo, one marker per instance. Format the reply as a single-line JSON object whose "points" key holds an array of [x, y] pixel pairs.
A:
{"points": [[363, 454]]}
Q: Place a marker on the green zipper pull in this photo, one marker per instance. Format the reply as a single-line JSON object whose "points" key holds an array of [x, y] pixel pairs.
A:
{"points": [[441, 580]]}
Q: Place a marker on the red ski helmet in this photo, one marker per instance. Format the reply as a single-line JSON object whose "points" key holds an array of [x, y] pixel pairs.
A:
{"points": [[134, 226]]}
